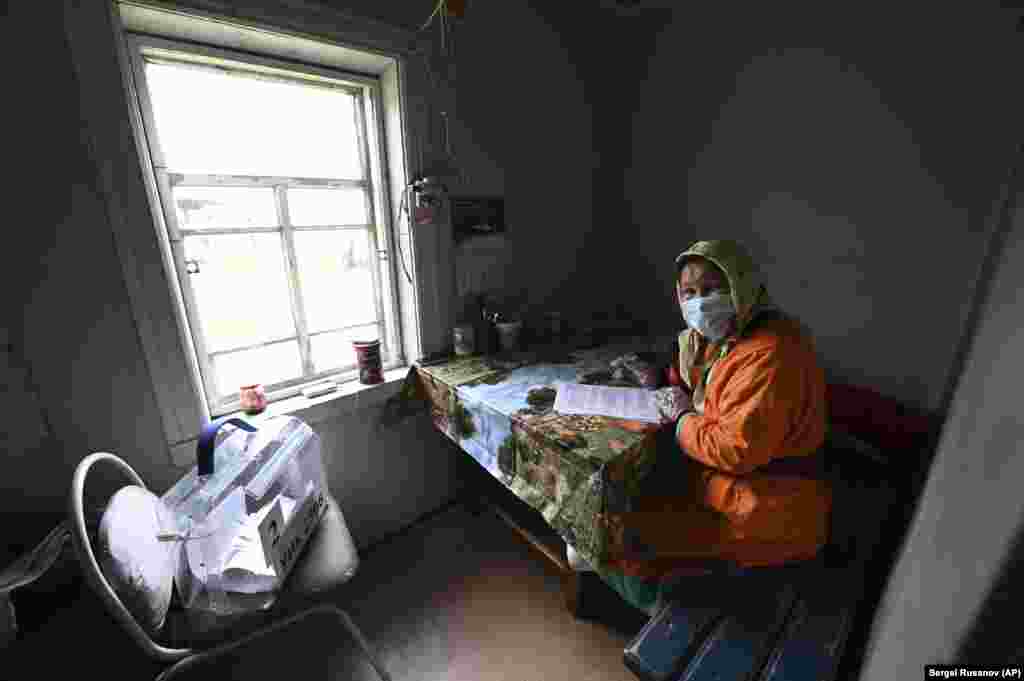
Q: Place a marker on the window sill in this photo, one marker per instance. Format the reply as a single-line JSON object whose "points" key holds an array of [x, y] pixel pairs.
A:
{"points": [[349, 397]]}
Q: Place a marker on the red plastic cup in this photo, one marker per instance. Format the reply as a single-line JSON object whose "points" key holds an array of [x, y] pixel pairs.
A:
{"points": [[368, 360]]}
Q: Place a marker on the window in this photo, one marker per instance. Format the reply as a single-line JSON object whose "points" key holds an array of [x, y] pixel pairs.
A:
{"points": [[274, 39], [271, 184]]}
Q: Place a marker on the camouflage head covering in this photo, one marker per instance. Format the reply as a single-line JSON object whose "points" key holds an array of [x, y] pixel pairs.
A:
{"points": [[749, 298]]}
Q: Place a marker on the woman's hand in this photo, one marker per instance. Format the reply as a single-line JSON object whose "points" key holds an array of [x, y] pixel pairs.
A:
{"points": [[672, 402]]}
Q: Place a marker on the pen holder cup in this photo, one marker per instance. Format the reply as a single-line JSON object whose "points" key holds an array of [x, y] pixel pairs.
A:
{"points": [[509, 335]]}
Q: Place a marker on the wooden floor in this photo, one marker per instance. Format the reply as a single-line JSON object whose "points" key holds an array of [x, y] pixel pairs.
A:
{"points": [[457, 597], [460, 598]]}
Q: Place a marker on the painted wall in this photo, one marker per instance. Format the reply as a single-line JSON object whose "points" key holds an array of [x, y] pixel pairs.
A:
{"points": [[860, 174], [523, 103], [559, 116], [73, 333], [523, 129], [949, 597]]}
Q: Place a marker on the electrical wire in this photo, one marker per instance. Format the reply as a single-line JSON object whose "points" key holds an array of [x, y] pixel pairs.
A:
{"points": [[398, 237], [440, 4], [444, 29], [441, 10]]}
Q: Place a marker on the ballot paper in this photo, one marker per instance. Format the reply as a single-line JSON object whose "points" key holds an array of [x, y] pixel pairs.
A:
{"points": [[245, 566], [636, 404], [230, 539], [208, 542]]}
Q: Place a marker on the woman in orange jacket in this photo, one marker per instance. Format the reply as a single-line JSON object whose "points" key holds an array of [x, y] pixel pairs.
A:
{"points": [[743, 487]]}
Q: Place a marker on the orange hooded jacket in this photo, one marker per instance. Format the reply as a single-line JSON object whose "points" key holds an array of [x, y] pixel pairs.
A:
{"points": [[764, 411], [749, 490]]}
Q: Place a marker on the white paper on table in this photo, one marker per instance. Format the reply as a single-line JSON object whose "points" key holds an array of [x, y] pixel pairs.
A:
{"points": [[636, 404]]}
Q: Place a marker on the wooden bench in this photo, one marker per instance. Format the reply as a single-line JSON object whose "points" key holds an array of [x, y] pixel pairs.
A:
{"points": [[781, 625], [805, 622]]}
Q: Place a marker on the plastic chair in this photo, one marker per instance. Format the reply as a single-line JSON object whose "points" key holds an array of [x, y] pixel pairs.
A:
{"points": [[313, 575]]}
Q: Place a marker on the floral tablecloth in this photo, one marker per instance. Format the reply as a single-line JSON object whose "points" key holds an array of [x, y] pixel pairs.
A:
{"points": [[579, 472]]}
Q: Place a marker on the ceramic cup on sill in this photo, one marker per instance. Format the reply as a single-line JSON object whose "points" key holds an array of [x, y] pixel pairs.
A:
{"points": [[368, 359], [253, 398]]}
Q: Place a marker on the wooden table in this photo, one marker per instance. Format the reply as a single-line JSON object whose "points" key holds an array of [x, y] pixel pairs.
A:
{"points": [[570, 472]]}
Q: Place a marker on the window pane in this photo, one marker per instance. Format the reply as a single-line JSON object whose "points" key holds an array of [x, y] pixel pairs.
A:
{"points": [[220, 207], [312, 207], [219, 122], [268, 365], [240, 289], [337, 284], [334, 350]]}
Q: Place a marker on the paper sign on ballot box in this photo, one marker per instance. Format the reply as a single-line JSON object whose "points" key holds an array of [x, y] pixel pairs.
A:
{"points": [[282, 543]]}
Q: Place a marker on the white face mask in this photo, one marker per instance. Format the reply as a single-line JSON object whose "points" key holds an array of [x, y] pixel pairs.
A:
{"points": [[710, 316]]}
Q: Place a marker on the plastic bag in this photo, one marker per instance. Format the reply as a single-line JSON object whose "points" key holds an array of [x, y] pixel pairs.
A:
{"points": [[243, 515], [633, 368]]}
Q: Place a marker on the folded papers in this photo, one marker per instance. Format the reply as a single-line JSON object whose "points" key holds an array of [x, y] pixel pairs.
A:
{"points": [[229, 539], [245, 566]]}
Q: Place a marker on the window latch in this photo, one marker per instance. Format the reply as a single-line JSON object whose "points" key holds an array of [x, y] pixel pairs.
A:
{"points": [[192, 266], [382, 254]]}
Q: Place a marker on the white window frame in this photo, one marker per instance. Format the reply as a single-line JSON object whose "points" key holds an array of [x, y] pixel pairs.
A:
{"points": [[291, 30], [366, 91]]}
